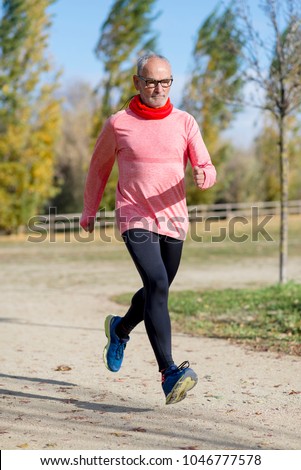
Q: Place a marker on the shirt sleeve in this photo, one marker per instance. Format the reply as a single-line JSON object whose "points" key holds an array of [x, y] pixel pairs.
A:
{"points": [[199, 155], [101, 165]]}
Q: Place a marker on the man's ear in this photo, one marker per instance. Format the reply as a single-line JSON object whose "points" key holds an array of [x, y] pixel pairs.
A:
{"points": [[136, 82]]}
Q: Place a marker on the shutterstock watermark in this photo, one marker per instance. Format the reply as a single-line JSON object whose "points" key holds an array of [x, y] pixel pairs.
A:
{"points": [[237, 229], [210, 229], [50, 227]]}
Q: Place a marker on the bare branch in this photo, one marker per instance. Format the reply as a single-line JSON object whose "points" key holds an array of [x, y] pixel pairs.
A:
{"points": [[273, 65]]}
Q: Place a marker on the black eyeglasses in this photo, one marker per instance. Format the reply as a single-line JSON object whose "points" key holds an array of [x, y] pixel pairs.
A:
{"points": [[151, 83]]}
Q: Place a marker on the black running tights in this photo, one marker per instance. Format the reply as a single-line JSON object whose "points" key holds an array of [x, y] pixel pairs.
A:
{"points": [[157, 258]]}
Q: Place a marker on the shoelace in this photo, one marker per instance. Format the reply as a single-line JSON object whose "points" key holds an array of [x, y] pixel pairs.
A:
{"points": [[183, 365], [119, 350]]}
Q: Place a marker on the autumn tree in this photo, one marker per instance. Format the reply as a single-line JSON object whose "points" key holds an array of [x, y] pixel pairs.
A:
{"points": [[29, 111], [73, 151], [125, 34], [273, 67], [266, 147], [214, 81], [294, 152]]}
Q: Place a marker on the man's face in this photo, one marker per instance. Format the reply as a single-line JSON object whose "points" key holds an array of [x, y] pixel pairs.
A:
{"points": [[156, 69]]}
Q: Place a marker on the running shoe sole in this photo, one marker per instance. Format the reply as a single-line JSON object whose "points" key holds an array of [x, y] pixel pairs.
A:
{"points": [[181, 387], [108, 335]]}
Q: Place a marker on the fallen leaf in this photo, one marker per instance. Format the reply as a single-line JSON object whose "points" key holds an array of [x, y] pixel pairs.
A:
{"points": [[64, 389], [62, 367], [209, 395], [189, 448], [139, 429], [70, 400], [23, 446], [293, 392], [78, 418]]}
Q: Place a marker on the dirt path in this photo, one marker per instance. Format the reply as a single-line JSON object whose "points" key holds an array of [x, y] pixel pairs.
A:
{"points": [[52, 314]]}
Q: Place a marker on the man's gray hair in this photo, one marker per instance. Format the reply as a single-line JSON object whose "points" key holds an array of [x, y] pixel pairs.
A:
{"points": [[142, 61]]}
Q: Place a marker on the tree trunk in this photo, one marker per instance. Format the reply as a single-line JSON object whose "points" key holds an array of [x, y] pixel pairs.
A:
{"points": [[284, 182]]}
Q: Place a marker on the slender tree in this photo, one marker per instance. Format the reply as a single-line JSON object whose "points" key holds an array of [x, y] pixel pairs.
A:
{"points": [[273, 66], [29, 112], [266, 147], [126, 33], [215, 80]]}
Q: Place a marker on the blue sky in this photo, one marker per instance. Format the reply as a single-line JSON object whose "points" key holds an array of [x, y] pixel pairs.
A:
{"points": [[76, 29]]}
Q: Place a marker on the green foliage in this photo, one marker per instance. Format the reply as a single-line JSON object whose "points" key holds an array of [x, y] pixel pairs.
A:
{"points": [[294, 152], [266, 318], [267, 152], [215, 82], [13, 183], [29, 113], [284, 88], [125, 34], [73, 150], [279, 90], [215, 77]]}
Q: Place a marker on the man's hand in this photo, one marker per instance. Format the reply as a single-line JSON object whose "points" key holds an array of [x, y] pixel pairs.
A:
{"points": [[198, 176], [89, 227], [91, 223]]}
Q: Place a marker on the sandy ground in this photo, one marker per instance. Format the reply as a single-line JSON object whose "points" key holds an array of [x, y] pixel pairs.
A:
{"points": [[57, 394]]}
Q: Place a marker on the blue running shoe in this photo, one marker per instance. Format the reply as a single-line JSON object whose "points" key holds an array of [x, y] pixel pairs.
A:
{"points": [[176, 381], [114, 350]]}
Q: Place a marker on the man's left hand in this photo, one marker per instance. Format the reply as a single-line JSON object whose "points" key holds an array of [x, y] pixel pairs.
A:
{"points": [[198, 176]]}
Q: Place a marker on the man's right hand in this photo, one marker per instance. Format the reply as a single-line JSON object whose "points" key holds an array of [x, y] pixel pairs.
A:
{"points": [[90, 226]]}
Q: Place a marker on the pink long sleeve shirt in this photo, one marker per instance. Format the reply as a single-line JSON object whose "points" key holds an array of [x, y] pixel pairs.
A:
{"points": [[152, 156]]}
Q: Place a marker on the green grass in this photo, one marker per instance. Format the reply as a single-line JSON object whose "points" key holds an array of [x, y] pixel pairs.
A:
{"points": [[267, 318]]}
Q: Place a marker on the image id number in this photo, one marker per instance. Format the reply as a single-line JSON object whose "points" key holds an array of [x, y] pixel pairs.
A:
{"points": [[220, 459]]}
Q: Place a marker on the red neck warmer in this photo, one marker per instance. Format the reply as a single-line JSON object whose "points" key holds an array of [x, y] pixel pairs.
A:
{"points": [[147, 112]]}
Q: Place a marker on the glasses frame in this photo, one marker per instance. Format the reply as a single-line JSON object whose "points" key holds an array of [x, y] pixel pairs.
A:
{"points": [[156, 82]]}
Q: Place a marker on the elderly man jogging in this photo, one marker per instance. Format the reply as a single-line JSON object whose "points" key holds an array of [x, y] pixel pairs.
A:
{"points": [[152, 142]]}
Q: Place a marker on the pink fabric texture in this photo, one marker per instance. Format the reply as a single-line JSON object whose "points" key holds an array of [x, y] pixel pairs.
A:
{"points": [[152, 156]]}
